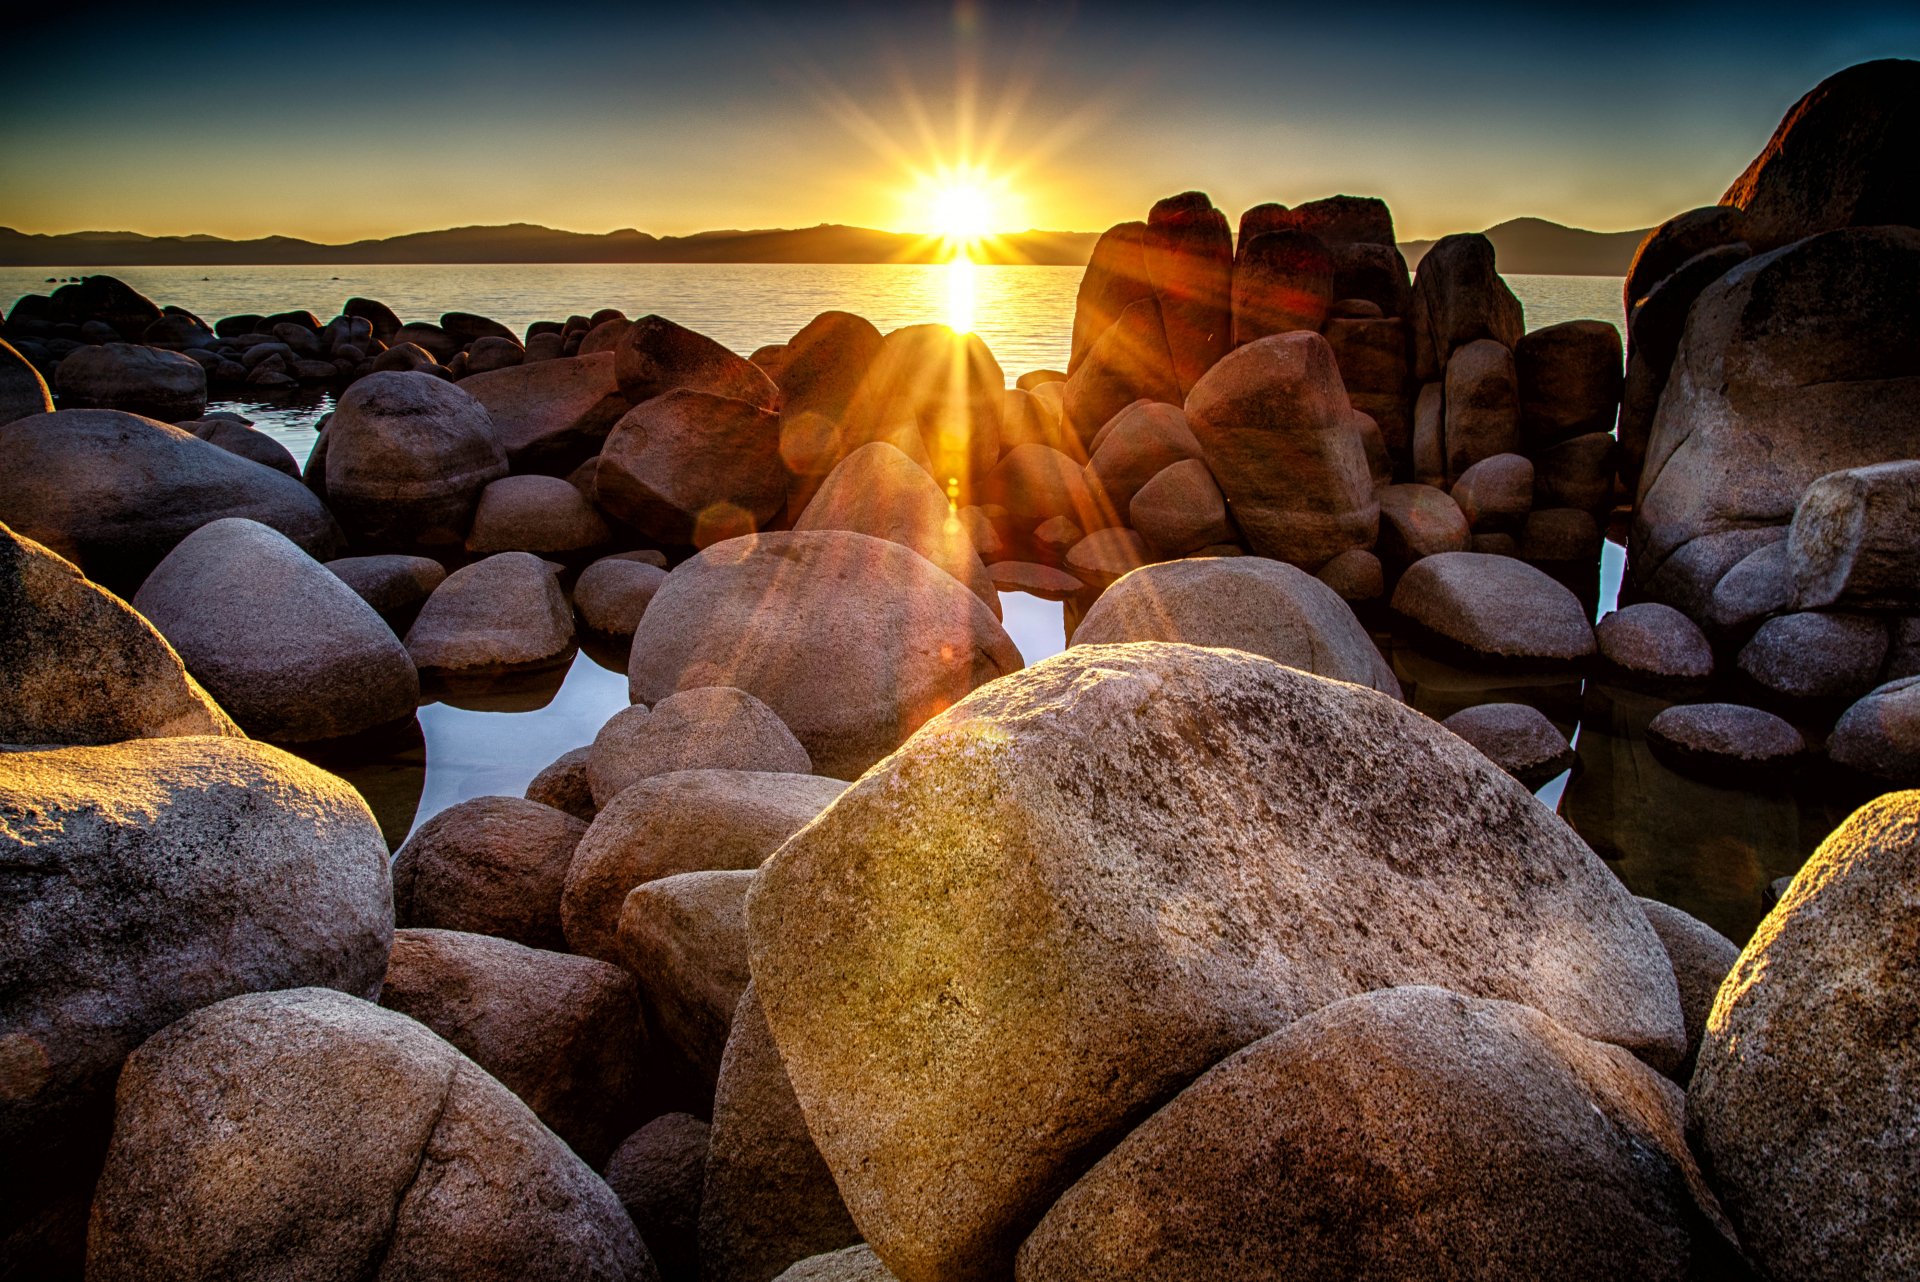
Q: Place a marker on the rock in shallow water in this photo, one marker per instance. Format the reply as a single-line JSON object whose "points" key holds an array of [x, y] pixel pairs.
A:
{"points": [[1087, 883], [1494, 609], [503, 614], [1517, 738], [1723, 740], [706, 728]]}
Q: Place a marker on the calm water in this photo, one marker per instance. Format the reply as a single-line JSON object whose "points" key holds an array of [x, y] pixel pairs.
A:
{"points": [[1709, 849]]}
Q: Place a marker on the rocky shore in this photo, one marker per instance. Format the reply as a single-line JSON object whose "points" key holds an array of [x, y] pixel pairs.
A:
{"points": [[856, 949]]}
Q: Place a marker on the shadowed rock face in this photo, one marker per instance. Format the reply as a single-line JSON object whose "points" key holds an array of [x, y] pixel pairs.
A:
{"points": [[656, 356], [407, 457], [551, 415], [1189, 258], [1116, 278], [1087, 883], [693, 467]]}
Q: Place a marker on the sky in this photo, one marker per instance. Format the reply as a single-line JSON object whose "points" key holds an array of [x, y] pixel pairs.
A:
{"points": [[339, 122]]}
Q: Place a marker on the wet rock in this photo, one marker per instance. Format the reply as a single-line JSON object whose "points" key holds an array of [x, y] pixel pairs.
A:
{"points": [[563, 1033], [1263, 607], [657, 1173], [549, 415], [770, 1200], [693, 467], [1482, 406], [540, 514], [685, 938], [127, 923], [1493, 609], [407, 457], [612, 594], [562, 784], [1852, 543], [1569, 378], [1459, 298], [395, 585], [998, 967], [1417, 521], [1129, 362], [81, 667], [690, 821], [704, 728], [1282, 282], [1517, 738], [113, 493], [1577, 472], [1793, 366], [289, 651], [824, 363], [656, 356], [1115, 279], [1142, 441], [1701, 958], [503, 614], [1043, 581], [1188, 250], [945, 384], [1816, 656], [1356, 575], [489, 866], [1495, 493], [879, 491], [370, 1145], [1803, 1097], [853, 641], [140, 380], [1399, 1093], [1650, 643], [1180, 510], [1724, 741], [849, 1264], [1278, 434], [1880, 735], [22, 391]]}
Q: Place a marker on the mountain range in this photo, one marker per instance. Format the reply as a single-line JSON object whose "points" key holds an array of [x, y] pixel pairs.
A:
{"points": [[1522, 245]]}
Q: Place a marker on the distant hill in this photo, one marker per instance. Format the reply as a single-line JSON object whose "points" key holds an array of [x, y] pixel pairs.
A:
{"points": [[1534, 246], [527, 243]]}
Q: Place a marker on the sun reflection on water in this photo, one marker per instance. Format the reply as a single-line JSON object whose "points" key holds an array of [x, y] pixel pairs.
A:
{"points": [[961, 287]]}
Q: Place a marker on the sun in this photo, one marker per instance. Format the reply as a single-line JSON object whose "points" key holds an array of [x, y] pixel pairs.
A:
{"points": [[964, 208], [961, 213]]}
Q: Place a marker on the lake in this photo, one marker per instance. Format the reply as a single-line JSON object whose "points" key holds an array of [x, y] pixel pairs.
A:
{"points": [[1709, 849]]}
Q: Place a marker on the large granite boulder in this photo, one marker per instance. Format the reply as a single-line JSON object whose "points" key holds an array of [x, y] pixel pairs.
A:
{"points": [[1796, 364], [394, 584], [693, 467], [140, 380], [684, 938], [1459, 298], [81, 666], [657, 1173], [491, 866], [656, 356], [1086, 883], [502, 614], [1854, 539], [705, 728], [1493, 609], [1188, 251], [165, 874], [1277, 432], [1115, 279], [407, 457], [1569, 379], [1399, 1134], [1879, 736], [1139, 443], [946, 385], [113, 492], [1482, 400], [1282, 282], [1249, 603], [1516, 737], [1802, 1105], [824, 363], [371, 1148], [613, 593], [22, 391], [549, 416], [1129, 361], [541, 514], [1702, 957], [853, 641], [290, 651], [1181, 510]]}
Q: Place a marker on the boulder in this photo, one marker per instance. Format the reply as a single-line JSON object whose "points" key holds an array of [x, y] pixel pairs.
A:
{"points": [[1837, 159], [1812, 656], [685, 938], [655, 356], [1277, 432], [1852, 544], [824, 363], [1034, 482], [1493, 609], [770, 1200], [371, 1147], [1372, 355], [1701, 958], [1356, 576], [1577, 472], [395, 585], [502, 614], [1569, 378], [1655, 325], [540, 514], [140, 380], [492, 354], [1262, 607], [1727, 741], [878, 490], [431, 338], [470, 328], [1652, 644], [1459, 298], [1880, 735], [1043, 581], [1282, 282], [1566, 537], [1680, 238], [1801, 1107], [407, 457], [563, 1033], [1115, 279], [563, 785], [1418, 521], [82, 667], [703, 728], [1482, 406], [1188, 251], [1517, 738], [106, 299], [945, 384], [289, 650], [689, 821], [488, 866], [1429, 446], [613, 593], [1130, 361], [1086, 883], [657, 1173], [167, 874], [1180, 510], [550, 415], [113, 492], [848, 1264], [1105, 555], [1495, 493], [1337, 220], [853, 641], [22, 391], [240, 438], [693, 467], [1025, 419], [1140, 442], [1357, 1138], [1795, 365]]}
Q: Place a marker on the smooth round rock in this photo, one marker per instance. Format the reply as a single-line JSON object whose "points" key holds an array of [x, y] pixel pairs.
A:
{"points": [[657, 1173], [140, 380], [503, 614], [563, 785], [1816, 656], [1494, 609], [407, 457], [1516, 737], [491, 866], [395, 585], [540, 514], [1723, 740], [1880, 735], [1701, 958], [613, 593], [706, 728], [1654, 643], [1043, 581]]}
